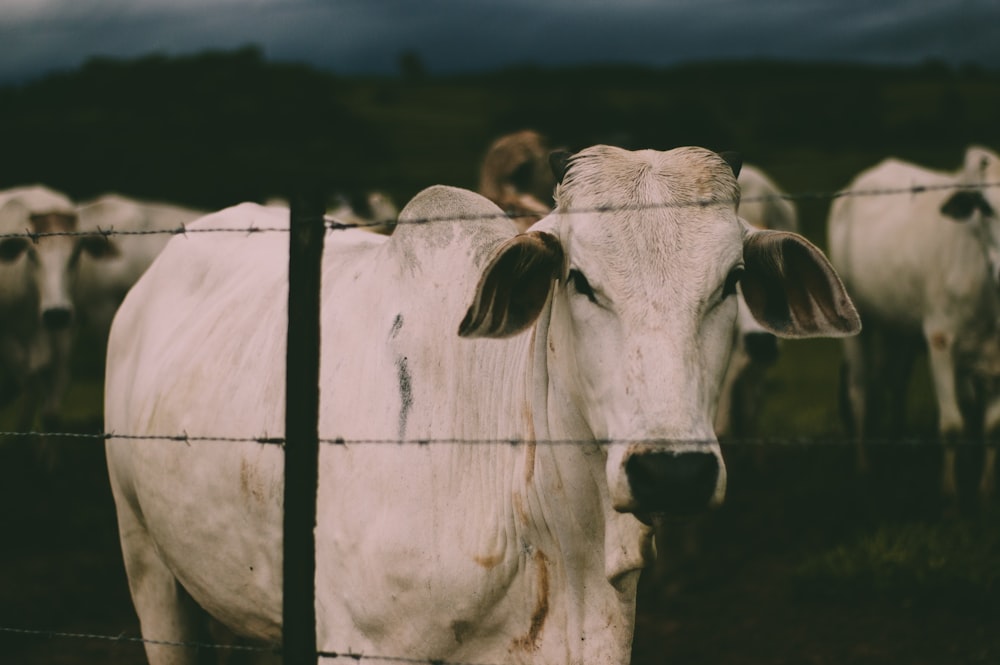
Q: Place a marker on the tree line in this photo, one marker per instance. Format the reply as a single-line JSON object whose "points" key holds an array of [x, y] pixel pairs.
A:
{"points": [[215, 128]]}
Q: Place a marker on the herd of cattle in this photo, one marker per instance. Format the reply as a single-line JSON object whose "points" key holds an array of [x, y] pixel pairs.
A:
{"points": [[625, 302]]}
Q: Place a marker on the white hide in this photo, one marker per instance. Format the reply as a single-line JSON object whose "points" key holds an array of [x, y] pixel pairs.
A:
{"points": [[35, 300], [761, 206], [915, 271], [116, 261], [485, 552]]}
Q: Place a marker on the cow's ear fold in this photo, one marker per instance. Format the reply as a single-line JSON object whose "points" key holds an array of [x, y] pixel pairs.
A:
{"points": [[961, 205], [514, 286], [792, 290]]}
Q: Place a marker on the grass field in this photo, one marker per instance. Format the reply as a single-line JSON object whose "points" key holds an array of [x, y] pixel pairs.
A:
{"points": [[807, 562]]}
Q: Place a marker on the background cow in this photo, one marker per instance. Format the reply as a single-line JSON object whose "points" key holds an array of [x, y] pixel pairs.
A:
{"points": [[116, 261], [608, 332], [36, 306], [924, 265], [754, 348], [373, 211], [515, 175]]}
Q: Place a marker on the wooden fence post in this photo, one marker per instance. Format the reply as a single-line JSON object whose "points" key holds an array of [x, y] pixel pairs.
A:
{"points": [[302, 429]]}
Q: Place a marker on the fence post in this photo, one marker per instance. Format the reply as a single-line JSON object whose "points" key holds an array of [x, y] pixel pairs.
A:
{"points": [[302, 429]]}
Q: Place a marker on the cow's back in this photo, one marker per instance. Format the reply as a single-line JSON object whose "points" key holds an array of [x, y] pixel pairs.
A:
{"points": [[898, 256], [198, 348]]}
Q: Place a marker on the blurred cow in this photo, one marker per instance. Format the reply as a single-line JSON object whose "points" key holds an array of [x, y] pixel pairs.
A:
{"points": [[515, 175], [373, 211], [36, 306], [925, 263], [117, 260], [763, 205]]}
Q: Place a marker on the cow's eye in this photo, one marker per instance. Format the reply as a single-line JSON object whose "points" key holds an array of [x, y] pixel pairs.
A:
{"points": [[581, 285], [11, 248], [732, 279]]}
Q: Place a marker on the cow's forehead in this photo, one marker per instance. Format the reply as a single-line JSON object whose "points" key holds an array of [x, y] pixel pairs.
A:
{"points": [[605, 176], [650, 210]]}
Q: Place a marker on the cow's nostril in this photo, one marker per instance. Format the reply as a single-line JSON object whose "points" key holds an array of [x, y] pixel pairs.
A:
{"points": [[673, 483], [57, 318]]}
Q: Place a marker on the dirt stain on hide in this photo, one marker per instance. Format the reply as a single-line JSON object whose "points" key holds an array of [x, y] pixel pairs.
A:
{"points": [[939, 340], [250, 483], [529, 641], [405, 394], [489, 561], [529, 462]]}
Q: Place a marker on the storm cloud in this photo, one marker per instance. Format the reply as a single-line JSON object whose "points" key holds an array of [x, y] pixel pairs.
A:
{"points": [[453, 36]]}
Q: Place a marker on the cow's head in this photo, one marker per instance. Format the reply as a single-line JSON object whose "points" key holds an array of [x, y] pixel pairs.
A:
{"points": [[639, 267], [515, 175], [977, 203], [40, 252]]}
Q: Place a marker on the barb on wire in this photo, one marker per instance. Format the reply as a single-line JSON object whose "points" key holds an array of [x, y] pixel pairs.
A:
{"points": [[333, 224]]}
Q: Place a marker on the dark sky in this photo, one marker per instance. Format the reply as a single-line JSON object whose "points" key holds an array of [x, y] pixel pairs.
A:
{"points": [[353, 36]]}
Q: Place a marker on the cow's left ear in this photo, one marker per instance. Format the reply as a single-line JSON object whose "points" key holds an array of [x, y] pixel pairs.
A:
{"points": [[961, 205], [792, 290], [514, 286]]}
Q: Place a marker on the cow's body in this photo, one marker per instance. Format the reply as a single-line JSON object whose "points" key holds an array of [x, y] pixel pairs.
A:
{"points": [[117, 261], [36, 308], [754, 348], [923, 266], [478, 552]]}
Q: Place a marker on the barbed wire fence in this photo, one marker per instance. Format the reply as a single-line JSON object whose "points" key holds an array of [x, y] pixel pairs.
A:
{"points": [[303, 435]]}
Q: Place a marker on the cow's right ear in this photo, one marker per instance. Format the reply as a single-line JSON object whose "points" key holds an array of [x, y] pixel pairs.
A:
{"points": [[514, 286], [961, 205]]}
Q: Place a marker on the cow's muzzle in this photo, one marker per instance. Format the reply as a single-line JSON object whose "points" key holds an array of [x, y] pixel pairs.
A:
{"points": [[674, 483], [57, 318]]}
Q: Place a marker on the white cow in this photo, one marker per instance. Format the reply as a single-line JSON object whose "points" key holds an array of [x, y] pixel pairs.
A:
{"points": [[607, 332], [762, 204], [116, 261], [36, 309], [926, 264]]}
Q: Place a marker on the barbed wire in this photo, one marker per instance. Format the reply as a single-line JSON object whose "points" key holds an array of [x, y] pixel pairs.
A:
{"points": [[133, 639], [123, 638], [334, 224], [824, 440]]}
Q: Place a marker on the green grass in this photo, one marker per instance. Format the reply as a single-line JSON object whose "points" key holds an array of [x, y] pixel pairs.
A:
{"points": [[956, 560]]}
